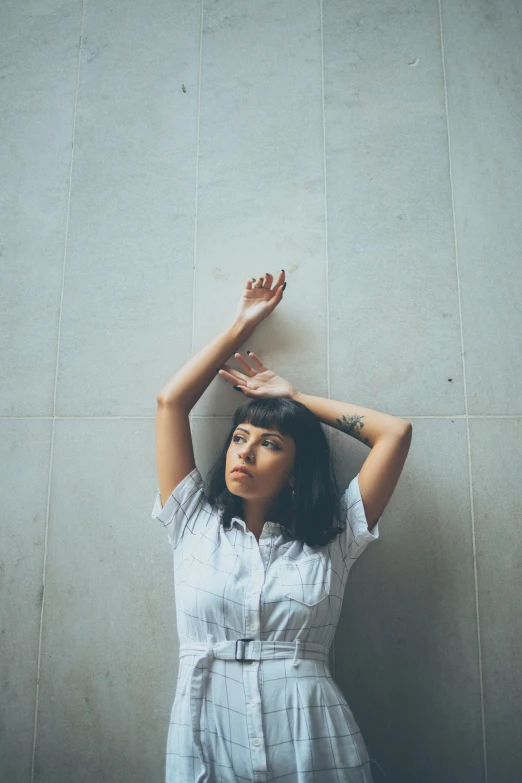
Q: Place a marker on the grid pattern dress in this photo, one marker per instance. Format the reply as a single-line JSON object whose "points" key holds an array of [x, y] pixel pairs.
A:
{"points": [[266, 709]]}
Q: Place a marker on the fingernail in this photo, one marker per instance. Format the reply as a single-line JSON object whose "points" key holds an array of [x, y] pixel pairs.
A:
{"points": [[248, 351], [238, 389], [284, 286], [217, 370], [282, 270]]}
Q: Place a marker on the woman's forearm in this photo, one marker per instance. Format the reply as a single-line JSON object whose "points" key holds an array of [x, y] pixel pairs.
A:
{"points": [[366, 425], [189, 383]]}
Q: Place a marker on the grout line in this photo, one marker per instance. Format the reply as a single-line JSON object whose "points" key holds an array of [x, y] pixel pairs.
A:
{"points": [[196, 188], [328, 385], [467, 416], [49, 480], [427, 417]]}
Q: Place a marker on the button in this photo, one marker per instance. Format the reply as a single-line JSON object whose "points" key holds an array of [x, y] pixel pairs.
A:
{"points": [[252, 627], [253, 664], [256, 742], [253, 702]]}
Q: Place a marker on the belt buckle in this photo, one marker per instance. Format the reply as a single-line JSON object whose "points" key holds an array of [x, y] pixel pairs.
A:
{"points": [[243, 658]]}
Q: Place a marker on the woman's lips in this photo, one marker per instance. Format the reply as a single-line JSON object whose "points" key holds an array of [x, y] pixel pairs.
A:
{"points": [[240, 474]]}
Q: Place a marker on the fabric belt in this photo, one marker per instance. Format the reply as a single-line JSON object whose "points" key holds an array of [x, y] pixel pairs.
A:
{"points": [[236, 650], [254, 649]]}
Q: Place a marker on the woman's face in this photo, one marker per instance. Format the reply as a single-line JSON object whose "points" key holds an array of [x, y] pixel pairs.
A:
{"points": [[267, 454]]}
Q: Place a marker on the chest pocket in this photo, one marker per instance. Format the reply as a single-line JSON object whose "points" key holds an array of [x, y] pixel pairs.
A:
{"points": [[305, 580]]}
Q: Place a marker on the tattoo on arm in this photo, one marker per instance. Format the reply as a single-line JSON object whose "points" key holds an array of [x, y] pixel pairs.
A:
{"points": [[353, 425]]}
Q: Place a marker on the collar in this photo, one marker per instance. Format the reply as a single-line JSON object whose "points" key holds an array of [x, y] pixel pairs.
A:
{"points": [[238, 522]]}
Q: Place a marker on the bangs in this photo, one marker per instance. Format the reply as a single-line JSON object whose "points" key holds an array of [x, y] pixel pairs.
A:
{"points": [[273, 412]]}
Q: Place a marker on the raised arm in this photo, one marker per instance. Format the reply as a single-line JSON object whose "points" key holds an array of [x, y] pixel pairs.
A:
{"points": [[189, 383], [388, 437], [174, 449], [258, 300], [365, 424]]}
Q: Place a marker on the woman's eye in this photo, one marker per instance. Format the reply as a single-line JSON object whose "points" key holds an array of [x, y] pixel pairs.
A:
{"points": [[265, 441]]}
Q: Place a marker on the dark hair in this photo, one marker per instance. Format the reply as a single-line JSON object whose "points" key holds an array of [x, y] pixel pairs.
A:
{"points": [[313, 515]]}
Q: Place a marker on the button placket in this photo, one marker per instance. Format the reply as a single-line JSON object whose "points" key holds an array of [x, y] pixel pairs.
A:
{"points": [[254, 715], [250, 670], [257, 575]]}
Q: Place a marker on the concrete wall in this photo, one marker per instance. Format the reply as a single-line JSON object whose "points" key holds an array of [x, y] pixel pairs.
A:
{"points": [[154, 156]]}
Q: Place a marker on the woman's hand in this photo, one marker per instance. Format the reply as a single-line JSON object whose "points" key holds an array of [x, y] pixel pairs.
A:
{"points": [[257, 383], [259, 299]]}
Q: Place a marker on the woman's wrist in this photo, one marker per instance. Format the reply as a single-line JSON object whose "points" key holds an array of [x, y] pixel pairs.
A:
{"points": [[191, 381], [242, 328]]}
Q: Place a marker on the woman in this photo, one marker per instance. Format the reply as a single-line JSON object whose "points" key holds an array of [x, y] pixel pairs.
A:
{"points": [[261, 560]]}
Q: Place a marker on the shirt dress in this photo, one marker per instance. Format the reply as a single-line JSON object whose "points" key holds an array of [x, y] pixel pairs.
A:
{"points": [[266, 709]]}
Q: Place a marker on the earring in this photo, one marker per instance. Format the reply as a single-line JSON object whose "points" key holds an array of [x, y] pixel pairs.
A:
{"points": [[293, 495]]}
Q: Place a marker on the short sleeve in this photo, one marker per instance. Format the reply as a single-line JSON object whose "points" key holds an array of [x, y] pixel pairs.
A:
{"points": [[183, 508], [354, 540]]}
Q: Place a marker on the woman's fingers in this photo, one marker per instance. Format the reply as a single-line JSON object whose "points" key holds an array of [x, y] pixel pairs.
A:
{"points": [[257, 361], [245, 365], [257, 282], [233, 376]]}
